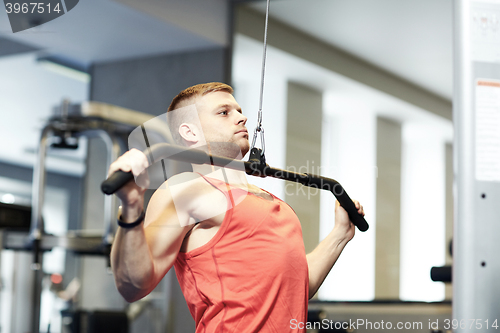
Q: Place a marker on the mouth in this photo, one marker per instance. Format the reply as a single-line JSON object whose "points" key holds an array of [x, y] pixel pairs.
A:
{"points": [[244, 131]]}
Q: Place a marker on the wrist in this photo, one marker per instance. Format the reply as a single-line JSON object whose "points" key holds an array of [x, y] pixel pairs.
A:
{"points": [[339, 238], [130, 213], [129, 225]]}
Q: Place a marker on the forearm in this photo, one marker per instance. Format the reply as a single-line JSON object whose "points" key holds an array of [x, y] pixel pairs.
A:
{"points": [[131, 259], [321, 260]]}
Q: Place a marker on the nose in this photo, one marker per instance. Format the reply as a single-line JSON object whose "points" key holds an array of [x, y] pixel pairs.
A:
{"points": [[241, 119]]}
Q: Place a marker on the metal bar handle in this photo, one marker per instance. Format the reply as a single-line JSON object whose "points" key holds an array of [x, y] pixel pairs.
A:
{"points": [[196, 156]]}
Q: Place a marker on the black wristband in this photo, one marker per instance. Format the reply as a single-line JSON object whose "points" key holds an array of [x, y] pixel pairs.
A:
{"points": [[132, 224]]}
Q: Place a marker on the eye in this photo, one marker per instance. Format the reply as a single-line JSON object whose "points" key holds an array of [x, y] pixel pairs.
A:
{"points": [[224, 112]]}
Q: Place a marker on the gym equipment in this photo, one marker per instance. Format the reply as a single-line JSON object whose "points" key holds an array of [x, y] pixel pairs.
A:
{"points": [[111, 124], [476, 118], [441, 274], [253, 168]]}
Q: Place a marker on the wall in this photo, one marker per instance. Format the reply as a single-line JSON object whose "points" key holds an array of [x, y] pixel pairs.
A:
{"points": [[352, 103]]}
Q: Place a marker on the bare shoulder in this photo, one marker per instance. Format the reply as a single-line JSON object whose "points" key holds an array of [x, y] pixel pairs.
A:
{"points": [[182, 184], [187, 185], [174, 201]]}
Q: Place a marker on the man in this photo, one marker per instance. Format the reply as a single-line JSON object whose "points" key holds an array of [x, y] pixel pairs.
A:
{"points": [[237, 250]]}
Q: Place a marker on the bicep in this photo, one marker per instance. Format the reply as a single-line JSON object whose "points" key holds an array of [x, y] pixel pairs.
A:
{"points": [[165, 228]]}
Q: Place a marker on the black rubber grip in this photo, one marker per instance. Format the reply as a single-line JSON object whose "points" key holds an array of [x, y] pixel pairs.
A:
{"points": [[441, 274], [356, 218], [116, 181]]}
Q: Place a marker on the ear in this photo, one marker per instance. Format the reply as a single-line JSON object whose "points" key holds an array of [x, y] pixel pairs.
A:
{"points": [[190, 133]]}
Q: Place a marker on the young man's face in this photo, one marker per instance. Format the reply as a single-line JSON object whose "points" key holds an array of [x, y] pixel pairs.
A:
{"points": [[222, 121]]}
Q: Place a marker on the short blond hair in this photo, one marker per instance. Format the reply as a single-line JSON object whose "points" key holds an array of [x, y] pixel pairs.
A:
{"points": [[198, 90]]}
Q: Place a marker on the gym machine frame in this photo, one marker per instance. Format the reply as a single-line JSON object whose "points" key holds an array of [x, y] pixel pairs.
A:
{"points": [[89, 119], [477, 176]]}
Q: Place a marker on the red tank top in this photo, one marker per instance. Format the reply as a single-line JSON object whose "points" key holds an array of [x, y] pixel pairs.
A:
{"points": [[252, 276]]}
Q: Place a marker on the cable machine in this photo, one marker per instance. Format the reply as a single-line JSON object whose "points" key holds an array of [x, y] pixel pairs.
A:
{"points": [[256, 165], [112, 125]]}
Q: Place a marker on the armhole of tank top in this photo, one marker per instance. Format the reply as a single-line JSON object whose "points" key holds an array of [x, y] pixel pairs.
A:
{"points": [[218, 235]]}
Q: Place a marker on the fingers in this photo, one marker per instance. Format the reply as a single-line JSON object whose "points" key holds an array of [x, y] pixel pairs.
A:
{"points": [[118, 165], [359, 207], [138, 161], [133, 161]]}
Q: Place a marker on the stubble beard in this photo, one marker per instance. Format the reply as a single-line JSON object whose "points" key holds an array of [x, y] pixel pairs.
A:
{"points": [[227, 149]]}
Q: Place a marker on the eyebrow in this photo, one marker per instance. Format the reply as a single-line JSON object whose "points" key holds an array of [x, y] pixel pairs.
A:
{"points": [[228, 106]]}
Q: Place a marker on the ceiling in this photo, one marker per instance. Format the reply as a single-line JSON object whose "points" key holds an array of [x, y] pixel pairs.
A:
{"points": [[411, 39], [103, 30]]}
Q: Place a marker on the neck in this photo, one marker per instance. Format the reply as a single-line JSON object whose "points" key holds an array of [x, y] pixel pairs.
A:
{"points": [[226, 175]]}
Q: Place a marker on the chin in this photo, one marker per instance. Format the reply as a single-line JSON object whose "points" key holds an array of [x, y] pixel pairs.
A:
{"points": [[244, 149], [244, 152], [226, 149]]}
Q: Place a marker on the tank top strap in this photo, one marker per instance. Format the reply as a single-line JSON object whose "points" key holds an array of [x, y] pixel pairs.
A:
{"points": [[222, 186]]}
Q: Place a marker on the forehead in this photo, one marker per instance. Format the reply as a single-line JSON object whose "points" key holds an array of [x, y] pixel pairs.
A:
{"points": [[214, 99]]}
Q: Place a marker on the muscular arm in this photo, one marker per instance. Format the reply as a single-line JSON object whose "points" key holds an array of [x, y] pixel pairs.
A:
{"points": [[321, 260], [141, 256]]}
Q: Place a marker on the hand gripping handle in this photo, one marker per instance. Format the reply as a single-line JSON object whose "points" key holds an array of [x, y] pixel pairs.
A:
{"points": [[116, 181]]}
